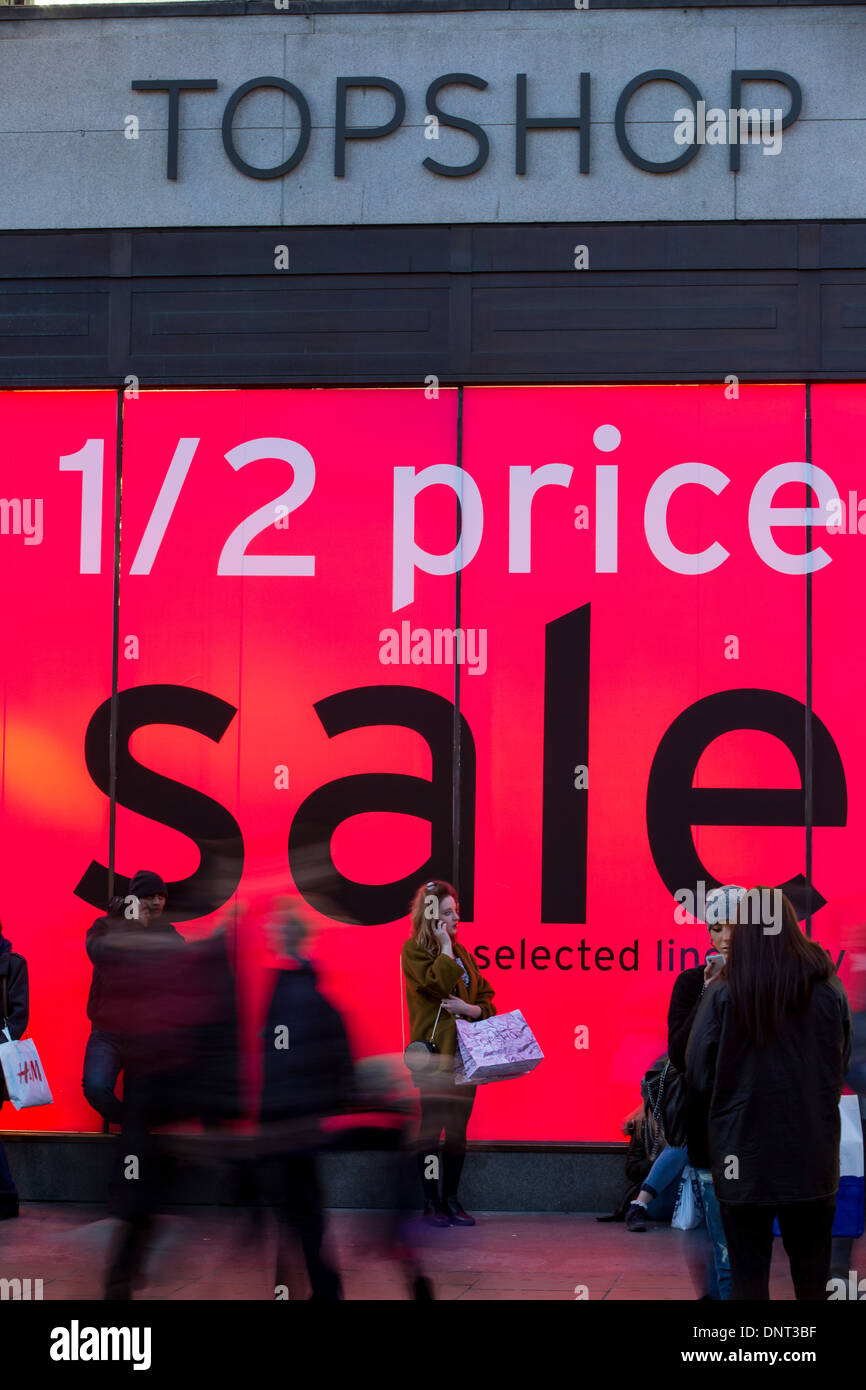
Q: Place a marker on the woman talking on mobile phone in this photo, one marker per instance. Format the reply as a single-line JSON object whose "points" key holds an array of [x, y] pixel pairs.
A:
{"points": [[442, 983]]}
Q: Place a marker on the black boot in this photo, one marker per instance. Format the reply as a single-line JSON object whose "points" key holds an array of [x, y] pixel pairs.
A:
{"points": [[451, 1170], [434, 1212]]}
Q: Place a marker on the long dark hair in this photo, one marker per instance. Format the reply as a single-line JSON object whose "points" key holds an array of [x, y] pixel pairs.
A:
{"points": [[771, 973]]}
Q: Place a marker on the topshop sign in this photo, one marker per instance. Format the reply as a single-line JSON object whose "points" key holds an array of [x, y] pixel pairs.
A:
{"points": [[740, 121]]}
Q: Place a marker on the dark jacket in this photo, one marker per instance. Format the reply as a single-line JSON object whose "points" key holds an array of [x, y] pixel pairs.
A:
{"points": [[775, 1109], [685, 1000], [13, 969], [313, 1073], [134, 985]]}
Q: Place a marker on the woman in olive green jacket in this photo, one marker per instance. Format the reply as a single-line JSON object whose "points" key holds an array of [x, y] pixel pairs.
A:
{"points": [[442, 980]]}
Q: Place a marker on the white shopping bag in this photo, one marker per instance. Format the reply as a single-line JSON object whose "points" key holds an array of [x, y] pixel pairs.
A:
{"points": [[23, 1074], [851, 1138], [689, 1211]]}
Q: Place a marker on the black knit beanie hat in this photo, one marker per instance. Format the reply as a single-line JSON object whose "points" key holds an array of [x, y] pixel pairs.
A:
{"points": [[144, 883]]}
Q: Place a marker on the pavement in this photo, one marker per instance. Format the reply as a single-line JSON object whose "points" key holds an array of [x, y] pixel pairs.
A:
{"points": [[217, 1253]]}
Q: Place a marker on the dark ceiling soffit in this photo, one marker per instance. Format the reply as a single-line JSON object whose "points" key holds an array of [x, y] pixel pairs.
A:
{"points": [[534, 249]]}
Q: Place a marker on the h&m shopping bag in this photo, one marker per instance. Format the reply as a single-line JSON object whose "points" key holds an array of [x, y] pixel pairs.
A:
{"points": [[23, 1074], [495, 1049]]}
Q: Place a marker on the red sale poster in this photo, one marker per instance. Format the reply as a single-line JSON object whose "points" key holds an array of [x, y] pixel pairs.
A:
{"points": [[256, 588], [839, 665], [622, 625], [57, 463], [631, 624]]}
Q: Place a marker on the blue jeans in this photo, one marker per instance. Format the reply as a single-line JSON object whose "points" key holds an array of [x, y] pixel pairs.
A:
{"points": [[662, 1181], [103, 1063], [719, 1269]]}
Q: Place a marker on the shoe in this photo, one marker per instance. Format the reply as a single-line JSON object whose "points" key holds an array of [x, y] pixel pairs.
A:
{"points": [[434, 1215], [8, 1205], [636, 1217], [456, 1215]]}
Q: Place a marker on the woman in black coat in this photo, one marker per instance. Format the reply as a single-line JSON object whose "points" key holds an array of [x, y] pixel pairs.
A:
{"points": [[767, 1057], [14, 1013]]}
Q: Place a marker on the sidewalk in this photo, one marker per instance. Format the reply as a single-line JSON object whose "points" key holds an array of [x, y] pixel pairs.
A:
{"points": [[214, 1253]]}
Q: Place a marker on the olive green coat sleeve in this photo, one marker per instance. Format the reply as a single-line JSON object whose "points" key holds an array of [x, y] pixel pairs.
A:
{"points": [[429, 980]]}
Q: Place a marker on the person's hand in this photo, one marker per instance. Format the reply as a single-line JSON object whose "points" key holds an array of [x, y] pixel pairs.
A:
{"points": [[713, 968], [453, 1005], [440, 932]]}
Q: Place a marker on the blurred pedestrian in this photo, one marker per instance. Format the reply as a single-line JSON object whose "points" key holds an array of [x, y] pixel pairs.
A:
{"points": [[166, 1001], [308, 1075]]}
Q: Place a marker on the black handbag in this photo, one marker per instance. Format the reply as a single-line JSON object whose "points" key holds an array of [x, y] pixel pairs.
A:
{"points": [[664, 1090], [418, 1055]]}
